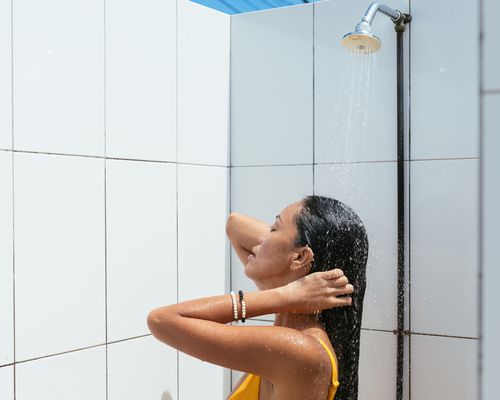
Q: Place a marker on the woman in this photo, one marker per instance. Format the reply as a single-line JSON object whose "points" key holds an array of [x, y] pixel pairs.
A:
{"points": [[315, 337]]}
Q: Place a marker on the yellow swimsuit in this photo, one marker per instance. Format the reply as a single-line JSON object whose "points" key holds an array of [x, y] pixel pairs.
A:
{"points": [[249, 389]]}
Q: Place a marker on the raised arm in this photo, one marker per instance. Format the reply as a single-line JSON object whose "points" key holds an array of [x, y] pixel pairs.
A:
{"points": [[243, 231], [197, 327]]}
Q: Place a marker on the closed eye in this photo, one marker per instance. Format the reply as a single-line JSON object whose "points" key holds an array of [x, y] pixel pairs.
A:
{"points": [[272, 229]]}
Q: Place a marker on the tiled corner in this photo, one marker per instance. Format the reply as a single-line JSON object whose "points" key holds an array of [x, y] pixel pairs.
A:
{"points": [[491, 45], [443, 368], [141, 235], [5, 75], [490, 223], [444, 247], [370, 189], [262, 192], [6, 261], [377, 365], [151, 375], [209, 379], [354, 95], [203, 57], [59, 76], [78, 375], [141, 79], [444, 80], [7, 383], [271, 87], [59, 253], [203, 201]]}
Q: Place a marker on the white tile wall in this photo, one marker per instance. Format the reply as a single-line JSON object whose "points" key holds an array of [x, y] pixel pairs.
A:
{"points": [[5, 75], [444, 249], [203, 53], [263, 192], [141, 243], [271, 86], [59, 253], [59, 76], [490, 223], [443, 368], [7, 383], [491, 45], [209, 379], [203, 247], [348, 88], [6, 261], [142, 368], [370, 189], [444, 79], [141, 79], [203, 261], [79, 375], [377, 365]]}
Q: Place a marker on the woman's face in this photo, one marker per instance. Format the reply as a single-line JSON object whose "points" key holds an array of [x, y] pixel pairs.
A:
{"points": [[274, 261]]}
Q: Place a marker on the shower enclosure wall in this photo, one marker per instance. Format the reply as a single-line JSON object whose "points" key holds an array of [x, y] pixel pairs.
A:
{"points": [[128, 134]]}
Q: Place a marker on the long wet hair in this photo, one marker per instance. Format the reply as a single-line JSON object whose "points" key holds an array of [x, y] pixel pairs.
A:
{"points": [[338, 239]]}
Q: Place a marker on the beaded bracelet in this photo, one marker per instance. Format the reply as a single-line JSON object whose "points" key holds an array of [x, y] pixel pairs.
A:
{"points": [[243, 306], [235, 306]]}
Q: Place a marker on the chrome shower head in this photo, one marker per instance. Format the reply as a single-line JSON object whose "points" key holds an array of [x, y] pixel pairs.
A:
{"points": [[362, 40]]}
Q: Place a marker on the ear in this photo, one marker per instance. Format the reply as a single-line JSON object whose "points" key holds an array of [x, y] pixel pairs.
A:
{"points": [[302, 258]]}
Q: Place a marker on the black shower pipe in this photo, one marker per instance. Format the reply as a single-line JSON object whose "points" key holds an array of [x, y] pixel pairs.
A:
{"points": [[400, 25]]}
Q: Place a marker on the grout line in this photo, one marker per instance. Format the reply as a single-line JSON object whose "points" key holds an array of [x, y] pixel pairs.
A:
{"points": [[444, 336], [105, 205], [480, 214], [409, 199], [177, 168], [81, 349], [314, 96], [13, 195], [485, 92]]}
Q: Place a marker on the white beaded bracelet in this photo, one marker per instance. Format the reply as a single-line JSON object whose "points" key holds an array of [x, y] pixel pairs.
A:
{"points": [[235, 306]]}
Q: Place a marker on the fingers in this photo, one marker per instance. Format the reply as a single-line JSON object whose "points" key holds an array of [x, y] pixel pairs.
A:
{"points": [[347, 289], [334, 273]]}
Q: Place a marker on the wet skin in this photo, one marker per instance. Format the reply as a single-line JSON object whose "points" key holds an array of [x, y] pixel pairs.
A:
{"points": [[288, 357]]}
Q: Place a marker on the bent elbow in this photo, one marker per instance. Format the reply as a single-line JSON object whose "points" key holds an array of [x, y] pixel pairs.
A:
{"points": [[153, 321]]}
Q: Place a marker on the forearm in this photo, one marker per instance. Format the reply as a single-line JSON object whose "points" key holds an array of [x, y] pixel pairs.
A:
{"points": [[219, 308], [243, 230]]}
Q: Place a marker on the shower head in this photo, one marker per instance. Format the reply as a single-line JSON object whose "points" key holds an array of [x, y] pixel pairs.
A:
{"points": [[362, 40]]}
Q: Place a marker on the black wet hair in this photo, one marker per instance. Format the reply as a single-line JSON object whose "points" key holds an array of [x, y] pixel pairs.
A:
{"points": [[338, 239]]}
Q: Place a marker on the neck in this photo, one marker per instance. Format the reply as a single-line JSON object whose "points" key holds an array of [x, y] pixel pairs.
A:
{"points": [[299, 322]]}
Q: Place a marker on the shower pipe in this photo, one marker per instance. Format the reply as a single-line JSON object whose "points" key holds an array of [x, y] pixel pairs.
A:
{"points": [[362, 40]]}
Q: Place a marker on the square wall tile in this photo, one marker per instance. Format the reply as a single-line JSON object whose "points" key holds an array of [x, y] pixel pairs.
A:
{"points": [[59, 253], [443, 368], [142, 368], [7, 383], [491, 45], [377, 365], [6, 261], [355, 98], [5, 75], [141, 237], [444, 247], [141, 79], [271, 86], [209, 379], [79, 375], [203, 208], [59, 76], [444, 80], [203, 56], [490, 240], [370, 189], [262, 192]]}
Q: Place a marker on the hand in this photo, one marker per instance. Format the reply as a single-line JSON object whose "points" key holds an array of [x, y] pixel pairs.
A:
{"points": [[318, 291]]}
